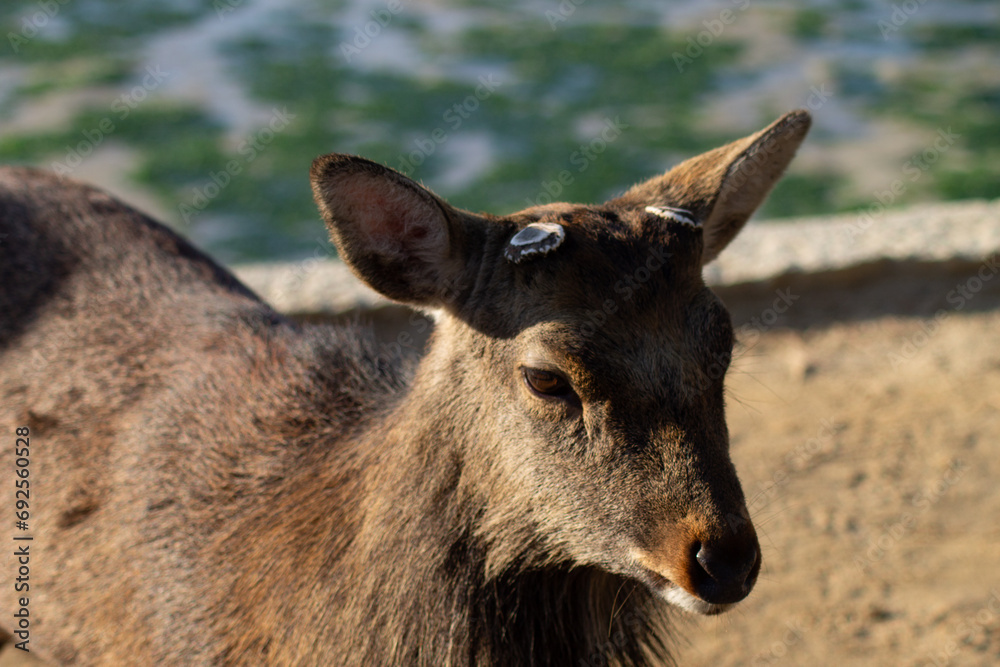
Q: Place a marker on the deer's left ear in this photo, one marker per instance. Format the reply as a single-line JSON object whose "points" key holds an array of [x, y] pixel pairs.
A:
{"points": [[723, 187]]}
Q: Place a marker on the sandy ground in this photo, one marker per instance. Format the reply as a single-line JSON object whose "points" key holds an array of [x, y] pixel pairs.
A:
{"points": [[869, 454], [871, 462]]}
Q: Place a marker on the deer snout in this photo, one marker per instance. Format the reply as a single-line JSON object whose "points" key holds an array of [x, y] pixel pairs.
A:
{"points": [[724, 571], [703, 574]]}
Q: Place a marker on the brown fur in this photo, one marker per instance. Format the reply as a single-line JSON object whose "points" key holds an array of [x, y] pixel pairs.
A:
{"points": [[214, 484]]}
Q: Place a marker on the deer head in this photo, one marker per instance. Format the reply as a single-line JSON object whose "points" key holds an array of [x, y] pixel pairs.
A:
{"points": [[579, 359]]}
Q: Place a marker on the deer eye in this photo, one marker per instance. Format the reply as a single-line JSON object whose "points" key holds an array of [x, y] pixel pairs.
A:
{"points": [[547, 383]]}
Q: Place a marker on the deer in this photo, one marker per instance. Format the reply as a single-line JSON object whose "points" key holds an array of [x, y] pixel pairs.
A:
{"points": [[212, 482]]}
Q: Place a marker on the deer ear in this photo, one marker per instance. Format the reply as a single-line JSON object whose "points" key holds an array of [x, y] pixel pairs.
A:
{"points": [[723, 187], [395, 235]]}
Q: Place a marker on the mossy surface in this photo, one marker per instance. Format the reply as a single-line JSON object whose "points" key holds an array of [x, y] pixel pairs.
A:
{"points": [[564, 101]]}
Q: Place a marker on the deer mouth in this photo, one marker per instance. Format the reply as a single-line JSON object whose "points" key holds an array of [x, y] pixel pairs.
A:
{"points": [[679, 597]]}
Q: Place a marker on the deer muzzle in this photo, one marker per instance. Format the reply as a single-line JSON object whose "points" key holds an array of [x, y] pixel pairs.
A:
{"points": [[702, 571]]}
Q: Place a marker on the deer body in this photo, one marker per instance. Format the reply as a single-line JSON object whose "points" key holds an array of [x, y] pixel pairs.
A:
{"points": [[214, 484]]}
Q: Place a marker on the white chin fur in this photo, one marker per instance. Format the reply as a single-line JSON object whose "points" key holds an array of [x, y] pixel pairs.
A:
{"points": [[435, 315], [679, 597]]}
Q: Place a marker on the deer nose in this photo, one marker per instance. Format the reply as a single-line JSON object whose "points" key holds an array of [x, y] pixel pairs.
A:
{"points": [[724, 571]]}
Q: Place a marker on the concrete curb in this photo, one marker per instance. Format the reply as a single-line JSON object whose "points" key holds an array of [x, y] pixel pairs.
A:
{"points": [[929, 233]]}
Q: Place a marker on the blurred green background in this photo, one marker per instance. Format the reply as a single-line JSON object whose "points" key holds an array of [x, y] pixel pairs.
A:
{"points": [[207, 114]]}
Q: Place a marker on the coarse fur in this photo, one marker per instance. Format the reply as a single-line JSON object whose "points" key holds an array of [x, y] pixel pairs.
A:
{"points": [[212, 483]]}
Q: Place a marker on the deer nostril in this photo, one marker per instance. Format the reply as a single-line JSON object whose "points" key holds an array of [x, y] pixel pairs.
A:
{"points": [[732, 571]]}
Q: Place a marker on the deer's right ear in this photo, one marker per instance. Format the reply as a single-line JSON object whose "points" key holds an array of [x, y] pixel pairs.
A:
{"points": [[395, 235]]}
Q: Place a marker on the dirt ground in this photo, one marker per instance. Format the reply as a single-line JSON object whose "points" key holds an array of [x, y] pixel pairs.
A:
{"points": [[869, 454], [868, 449]]}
